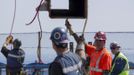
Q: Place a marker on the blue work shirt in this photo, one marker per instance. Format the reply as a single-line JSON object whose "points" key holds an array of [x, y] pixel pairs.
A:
{"points": [[66, 64]]}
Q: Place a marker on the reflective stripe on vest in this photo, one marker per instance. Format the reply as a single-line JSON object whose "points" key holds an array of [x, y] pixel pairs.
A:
{"points": [[15, 56], [126, 68], [96, 68], [72, 68]]}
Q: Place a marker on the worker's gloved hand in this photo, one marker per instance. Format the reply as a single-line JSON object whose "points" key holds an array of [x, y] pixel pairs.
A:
{"points": [[80, 46], [9, 39], [68, 26], [80, 50], [81, 39]]}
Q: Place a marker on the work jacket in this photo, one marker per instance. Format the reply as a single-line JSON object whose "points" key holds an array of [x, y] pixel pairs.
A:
{"points": [[66, 64], [100, 60], [120, 65], [15, 58]]}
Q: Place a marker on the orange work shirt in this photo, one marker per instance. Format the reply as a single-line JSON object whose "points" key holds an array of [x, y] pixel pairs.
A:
{"points": [[99, 60]]}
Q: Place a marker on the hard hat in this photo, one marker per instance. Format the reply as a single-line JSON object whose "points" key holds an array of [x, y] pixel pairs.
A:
{"points": [[59, 35], [17, 42], [114, 45], [100, 36]]}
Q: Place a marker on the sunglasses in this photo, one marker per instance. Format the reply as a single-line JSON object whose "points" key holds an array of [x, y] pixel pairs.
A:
{"points": [[112, 48]]}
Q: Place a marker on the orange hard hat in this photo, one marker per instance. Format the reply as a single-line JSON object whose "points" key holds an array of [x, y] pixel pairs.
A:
{"points": [[100, 36]]}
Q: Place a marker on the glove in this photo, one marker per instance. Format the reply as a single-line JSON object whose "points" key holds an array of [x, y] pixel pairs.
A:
{"points": [[68, 25], [9, 39], [80, 46], [80, 50], [81, 39]]}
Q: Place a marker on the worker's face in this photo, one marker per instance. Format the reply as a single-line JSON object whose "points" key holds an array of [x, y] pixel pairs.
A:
{"points": [[54, 47], [114, 50], [99, 44], [15, 45]]}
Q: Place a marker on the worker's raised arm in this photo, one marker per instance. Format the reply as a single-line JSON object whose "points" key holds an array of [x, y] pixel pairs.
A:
{"points": [[4, 49], [68, 26]]}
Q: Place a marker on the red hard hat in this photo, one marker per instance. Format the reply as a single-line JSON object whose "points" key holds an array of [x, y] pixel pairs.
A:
{"points": [[100, 36]]}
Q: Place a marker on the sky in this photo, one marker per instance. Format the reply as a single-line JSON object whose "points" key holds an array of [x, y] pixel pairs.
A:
{"points": [[103, 15]]}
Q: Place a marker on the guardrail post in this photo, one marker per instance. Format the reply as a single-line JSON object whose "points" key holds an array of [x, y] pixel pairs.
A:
{"points": [[71, 46]]}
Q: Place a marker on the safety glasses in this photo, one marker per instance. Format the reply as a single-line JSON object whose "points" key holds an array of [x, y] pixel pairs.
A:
{"points": [[112, 48]]}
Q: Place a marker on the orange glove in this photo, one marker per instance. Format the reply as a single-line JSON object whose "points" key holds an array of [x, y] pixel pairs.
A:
{"points": [[9, 39]]}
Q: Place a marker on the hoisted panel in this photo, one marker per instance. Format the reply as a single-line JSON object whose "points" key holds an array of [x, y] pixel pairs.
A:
{"points": [[77, 9]]}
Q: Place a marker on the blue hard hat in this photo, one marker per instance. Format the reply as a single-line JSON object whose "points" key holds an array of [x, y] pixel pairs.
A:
{"points": [[59, 35]]}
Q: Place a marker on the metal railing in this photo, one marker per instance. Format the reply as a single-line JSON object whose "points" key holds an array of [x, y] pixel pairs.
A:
{"points": [[30, 69]]}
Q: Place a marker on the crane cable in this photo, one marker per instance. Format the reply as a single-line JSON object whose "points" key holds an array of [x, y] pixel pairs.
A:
{"points": [[12, 25], [37, 11], [86, 19], [85, 23], [39, 40], [39, 33], [13, 19]]}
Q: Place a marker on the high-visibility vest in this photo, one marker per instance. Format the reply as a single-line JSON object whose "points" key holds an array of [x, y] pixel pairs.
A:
{"points": [[99, 60], [96, 68], [126, 68]]}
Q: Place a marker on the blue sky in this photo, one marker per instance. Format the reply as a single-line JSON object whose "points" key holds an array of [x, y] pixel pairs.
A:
{"points": [[104, 15]]}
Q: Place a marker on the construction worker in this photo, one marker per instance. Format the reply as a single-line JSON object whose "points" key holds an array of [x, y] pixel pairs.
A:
{"points": [[100, 58], [15, 57], [80, 51], [120, 64], [66, 62]]}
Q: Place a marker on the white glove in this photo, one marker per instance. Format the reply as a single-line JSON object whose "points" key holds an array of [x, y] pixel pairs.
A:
{"points": [[80, 46], [80, 50]]}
